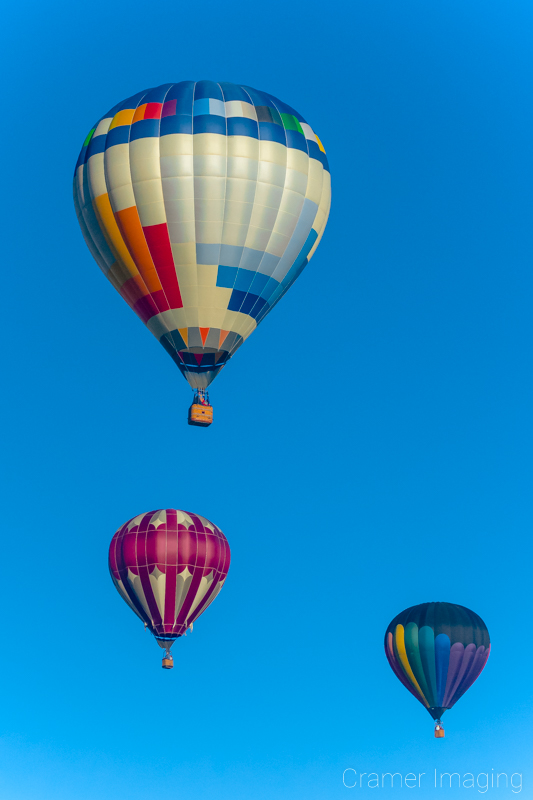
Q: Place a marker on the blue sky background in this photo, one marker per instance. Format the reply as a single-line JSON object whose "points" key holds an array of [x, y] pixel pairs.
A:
{"points": [[376, 460]]}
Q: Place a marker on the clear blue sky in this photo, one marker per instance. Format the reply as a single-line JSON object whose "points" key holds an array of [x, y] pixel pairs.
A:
{"points": [[393, 468]]}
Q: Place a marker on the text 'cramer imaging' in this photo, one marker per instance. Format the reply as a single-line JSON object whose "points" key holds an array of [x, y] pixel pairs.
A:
{"points": [[482, 781]]}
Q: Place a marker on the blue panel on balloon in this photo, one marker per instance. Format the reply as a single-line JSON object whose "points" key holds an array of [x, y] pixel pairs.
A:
{"points": [[144, 129], [296, 140], [209, 123], [314, 150], [226, 277], [242, 126], [270, 132], [231, 255], [201, 107], [119, 135], [207, 253], [259, 281], [253, 305], [181, 123], [182, 93], [205, 89], [96, 145], [244, 280]]}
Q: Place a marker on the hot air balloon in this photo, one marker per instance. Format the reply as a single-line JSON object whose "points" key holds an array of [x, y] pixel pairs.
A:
{"points": [[168, 566], [437, 650], [202, 203]]}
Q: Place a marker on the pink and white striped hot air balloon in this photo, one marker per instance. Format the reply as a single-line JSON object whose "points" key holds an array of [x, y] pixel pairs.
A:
{"points": [[169, 565]]}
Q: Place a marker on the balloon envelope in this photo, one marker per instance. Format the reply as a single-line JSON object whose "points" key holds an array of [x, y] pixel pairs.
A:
{"points": [[202, 203], [168, 565], [437, 650]]}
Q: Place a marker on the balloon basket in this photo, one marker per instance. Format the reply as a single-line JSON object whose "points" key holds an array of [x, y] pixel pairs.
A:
{"points": [[200, 415], [439, 731], [168, 663]]}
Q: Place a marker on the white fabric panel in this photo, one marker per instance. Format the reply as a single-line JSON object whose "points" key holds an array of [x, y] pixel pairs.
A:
{"points": [[147, 192], [180, 210], [203, 588], [286, 223], [182, 232], [308, 132], [263, 217], [323, 211], [118, 177], [184, 253], [209, 210], [237, 214], [314, 183], [209, 144], [178, 192], [277, 244], [217, 107], [146, 181], [159, 518], [268, 195], [103, 126], [183, 583], [209, 231], [184, 519], [240, 323], [234, 234], [179, 317], [242, 147], [207, 189], [298, 239], [208, 315], [207, 276], [176, 144], [144, 158], [117, 166], [257, 238], [122, 198], [96, 175], [273, 151], [240, 190], [238, 108], [324, 206], [151, 213], [285, 242], [179, 189], [209, 165], [272, 174], [291, 202], [296, 181], [158, 582], [177, 166], [297, 160]]}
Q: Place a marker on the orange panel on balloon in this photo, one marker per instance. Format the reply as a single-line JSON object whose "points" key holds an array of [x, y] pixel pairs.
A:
{"points": [[130, 226]]}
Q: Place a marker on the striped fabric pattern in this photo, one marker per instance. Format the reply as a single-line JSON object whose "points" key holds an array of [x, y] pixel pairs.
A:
{"points": [[202, 203], [437, 650], [168, 565]]}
